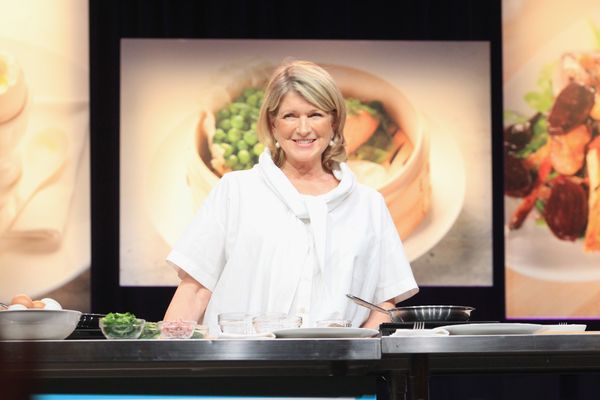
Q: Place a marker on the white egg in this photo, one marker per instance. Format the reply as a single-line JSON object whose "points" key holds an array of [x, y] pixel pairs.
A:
{"points": [[17, 307], [51, 304]]}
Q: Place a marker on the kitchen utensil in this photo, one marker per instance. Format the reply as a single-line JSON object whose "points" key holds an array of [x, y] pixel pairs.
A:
{"points": [[419, 325], [89, 321], [122, 331], [420, 313], [43, 159], [31, 241], [269, 322], [235, 322], [334, 323], [178, 329], [37, 324]]}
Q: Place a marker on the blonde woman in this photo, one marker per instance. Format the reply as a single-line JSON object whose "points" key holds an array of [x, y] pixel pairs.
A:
{"points": [[296, 232]]}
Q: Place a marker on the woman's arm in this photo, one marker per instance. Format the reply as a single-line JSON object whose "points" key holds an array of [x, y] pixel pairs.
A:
{"points": [[189, 301], [377, 318]]}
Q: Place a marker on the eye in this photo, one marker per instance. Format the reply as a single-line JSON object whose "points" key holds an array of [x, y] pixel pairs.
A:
{"points": [[316, 115], [288, 116]]}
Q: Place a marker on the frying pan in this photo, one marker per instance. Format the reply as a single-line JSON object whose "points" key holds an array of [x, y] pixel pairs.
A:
{"points": [[419, 313]]}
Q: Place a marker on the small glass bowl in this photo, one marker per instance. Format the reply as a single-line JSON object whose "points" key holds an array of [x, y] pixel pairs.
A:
{"points": [[269, 322], [200, 332], [334, 323], [150, 331], [237, 323], [178, 329], [122, 331]]}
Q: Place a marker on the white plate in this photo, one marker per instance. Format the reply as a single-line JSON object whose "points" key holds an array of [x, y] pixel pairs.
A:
{"points": [[533, 250], [37, 274], [492, 329], [171, 207], [564, 328], [325, 333]]}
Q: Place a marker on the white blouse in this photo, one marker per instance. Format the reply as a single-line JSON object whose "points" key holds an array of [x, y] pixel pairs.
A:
{"points": [[260, 246]]}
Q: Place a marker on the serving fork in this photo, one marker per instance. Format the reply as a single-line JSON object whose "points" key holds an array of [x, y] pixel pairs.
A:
{"points": [[419, 325]]}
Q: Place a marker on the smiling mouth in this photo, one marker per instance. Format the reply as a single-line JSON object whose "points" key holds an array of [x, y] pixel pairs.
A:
{"points": [[304, 141]]}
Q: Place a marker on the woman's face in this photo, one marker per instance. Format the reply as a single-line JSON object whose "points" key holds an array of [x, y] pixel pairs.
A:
{"points": [[302, 130]]}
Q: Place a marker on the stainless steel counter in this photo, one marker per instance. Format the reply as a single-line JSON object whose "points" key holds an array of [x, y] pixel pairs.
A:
{"points": [[184, 357], [494, 353], [409, 361]]}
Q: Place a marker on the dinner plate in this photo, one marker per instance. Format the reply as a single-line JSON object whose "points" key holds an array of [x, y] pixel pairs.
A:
{"points": [[493, 329], [325, 333], [564, 328], [171, 206], [533, 250]]}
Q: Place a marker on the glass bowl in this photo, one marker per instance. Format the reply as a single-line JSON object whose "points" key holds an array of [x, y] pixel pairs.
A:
{"points": [[235, 322], [179, 329], [122, 331], [334, 323], [150, 331], [200, 332], [269, 322]]}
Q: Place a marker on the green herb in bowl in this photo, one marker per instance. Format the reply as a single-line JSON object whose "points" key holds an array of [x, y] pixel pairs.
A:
{"points": [[151, 331], [121, 326]]}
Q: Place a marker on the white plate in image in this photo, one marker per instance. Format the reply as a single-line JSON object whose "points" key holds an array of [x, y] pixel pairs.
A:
{"points": [[171, 207], [563, 328], [533, 250], [306, 333], [493, 329]]}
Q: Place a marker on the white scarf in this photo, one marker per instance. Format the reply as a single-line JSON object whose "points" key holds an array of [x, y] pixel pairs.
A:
{"points": [[313, 209]]}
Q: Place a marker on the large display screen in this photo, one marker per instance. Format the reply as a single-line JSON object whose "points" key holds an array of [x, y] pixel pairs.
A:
{"points": [[428, 150], [45, 243], [552, 153]]}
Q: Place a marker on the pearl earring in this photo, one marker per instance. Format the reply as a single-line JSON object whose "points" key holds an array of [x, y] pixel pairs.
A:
{"points": [[331, 142], [277, 145]]}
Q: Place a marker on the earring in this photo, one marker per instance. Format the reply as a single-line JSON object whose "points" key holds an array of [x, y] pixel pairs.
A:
{"points": [[277, 145], [331, 142]]}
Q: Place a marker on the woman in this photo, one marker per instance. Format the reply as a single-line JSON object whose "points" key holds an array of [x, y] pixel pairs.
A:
{"points": [[295, 233]]}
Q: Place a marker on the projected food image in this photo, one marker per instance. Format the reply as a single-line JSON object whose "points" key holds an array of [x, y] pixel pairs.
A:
{"points": [[387, 149], [552, 157]]}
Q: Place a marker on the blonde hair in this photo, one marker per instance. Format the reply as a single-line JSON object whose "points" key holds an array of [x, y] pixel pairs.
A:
{"points": [[317, 87]]}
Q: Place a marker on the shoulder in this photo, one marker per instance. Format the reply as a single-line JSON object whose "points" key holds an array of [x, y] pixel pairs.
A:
{"points": [[239, 178], [369, 194]]}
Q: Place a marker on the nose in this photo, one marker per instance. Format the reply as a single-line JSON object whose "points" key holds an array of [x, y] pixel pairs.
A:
{"points": [[303, 125]]}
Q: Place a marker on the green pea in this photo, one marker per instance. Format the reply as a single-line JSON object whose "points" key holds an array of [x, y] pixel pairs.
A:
{"points": [[250, 138], [237, 121], [234, 135], [231, 161], [244, 156], [225, 125], [222, 114], [242, 145], [252, 100], [219, 136], [258, 148]]}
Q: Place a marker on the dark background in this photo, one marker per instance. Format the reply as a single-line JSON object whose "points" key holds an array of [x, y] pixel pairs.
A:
{"points": [[111, 20]]}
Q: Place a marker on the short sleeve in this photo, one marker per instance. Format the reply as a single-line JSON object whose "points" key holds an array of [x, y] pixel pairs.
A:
{"points": [[396, 280], [200, 251]]}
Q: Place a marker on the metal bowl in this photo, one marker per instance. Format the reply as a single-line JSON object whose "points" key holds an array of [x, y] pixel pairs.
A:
{"points": [[36, 324], [431, 313]]}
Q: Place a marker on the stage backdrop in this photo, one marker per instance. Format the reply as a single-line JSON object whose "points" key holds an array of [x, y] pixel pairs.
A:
{"points": [[552, 148], [44, 155], [187, 108]]}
